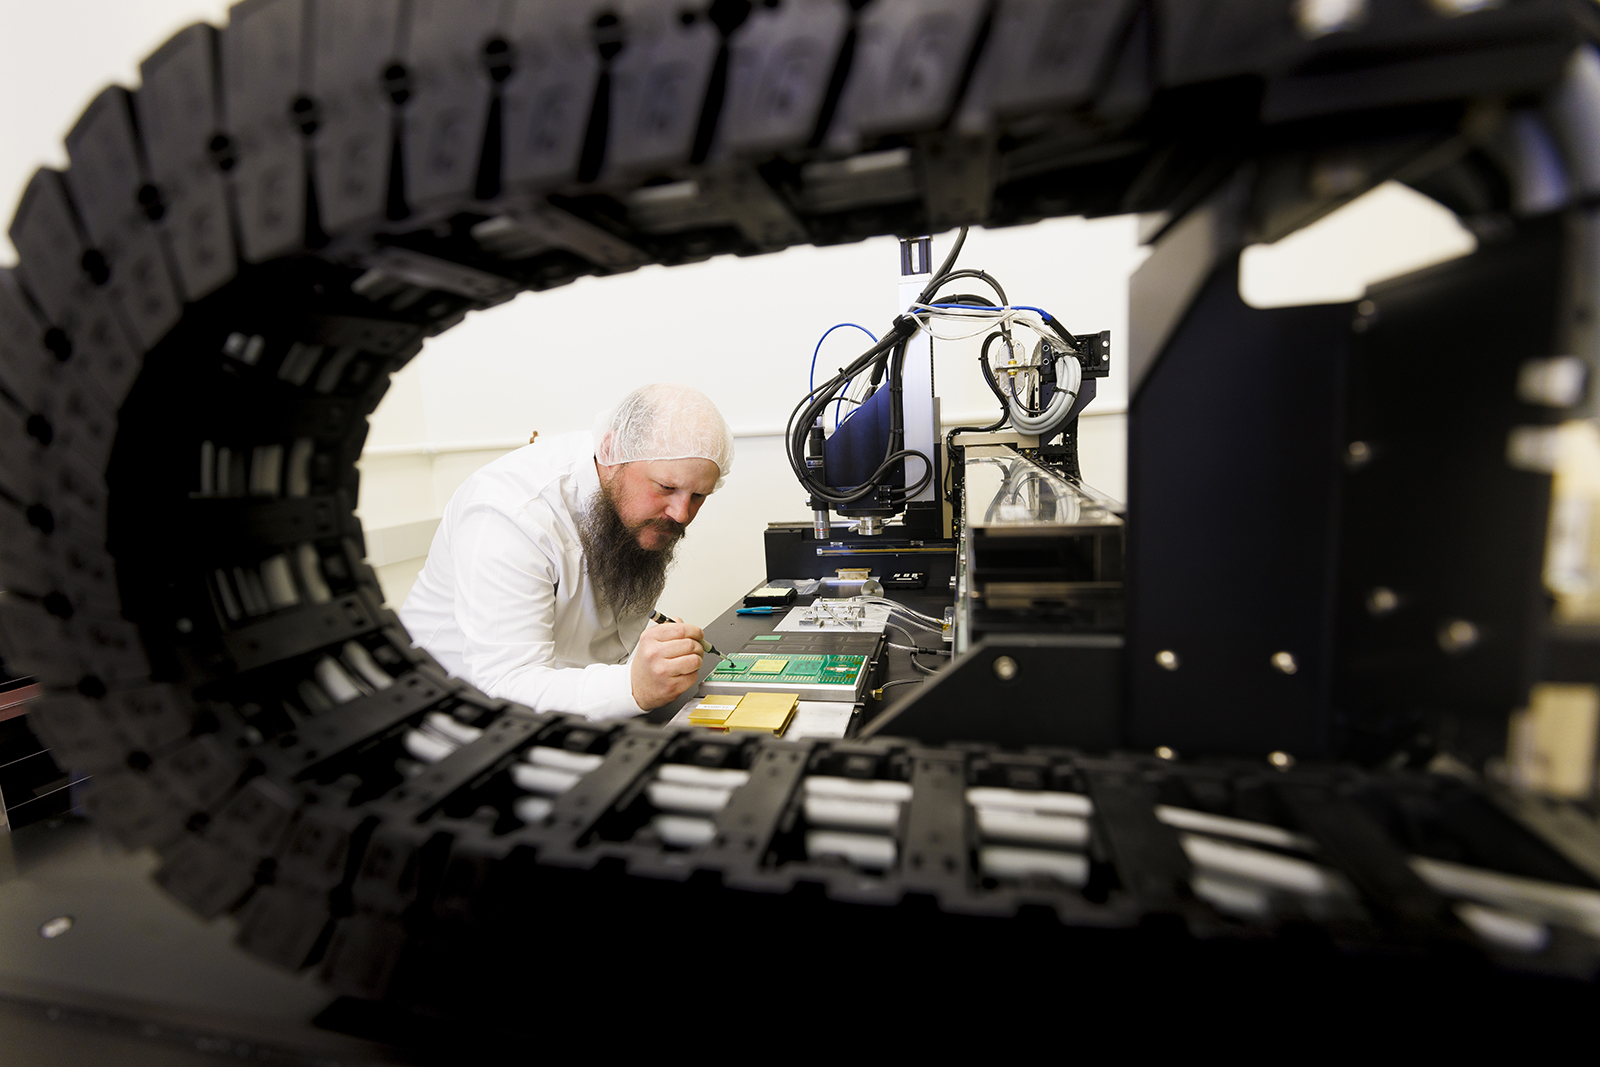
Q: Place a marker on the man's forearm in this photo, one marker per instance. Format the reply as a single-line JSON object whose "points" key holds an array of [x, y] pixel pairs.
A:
{"points": [[599, 691]]}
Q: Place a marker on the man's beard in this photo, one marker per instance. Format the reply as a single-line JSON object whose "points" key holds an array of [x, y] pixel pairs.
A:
{"points": [[627, 576]]}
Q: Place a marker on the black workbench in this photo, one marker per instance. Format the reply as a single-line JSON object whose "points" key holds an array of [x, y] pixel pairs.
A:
{"points": [[730, 631]]}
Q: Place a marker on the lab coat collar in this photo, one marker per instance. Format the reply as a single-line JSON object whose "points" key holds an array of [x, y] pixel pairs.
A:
{"points": [[587, 475]]}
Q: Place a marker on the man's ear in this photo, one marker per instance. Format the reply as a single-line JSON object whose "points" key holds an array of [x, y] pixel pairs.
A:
{"points": [[602, 455]]}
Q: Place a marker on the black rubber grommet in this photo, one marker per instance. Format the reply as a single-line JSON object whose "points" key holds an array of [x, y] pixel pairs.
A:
{"points": [[95, 266], [40, 430], [59, 344], [397, 83], [221, 148], [58, 605], [305, 114], [150, 200]]}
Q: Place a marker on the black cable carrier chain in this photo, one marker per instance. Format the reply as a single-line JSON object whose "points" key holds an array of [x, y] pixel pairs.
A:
{"points": [[244, 248]]}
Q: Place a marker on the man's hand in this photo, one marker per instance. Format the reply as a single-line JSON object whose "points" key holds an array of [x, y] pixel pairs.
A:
{"points": [[666, 663]]}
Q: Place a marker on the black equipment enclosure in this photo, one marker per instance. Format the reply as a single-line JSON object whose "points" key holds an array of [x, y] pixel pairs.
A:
{"points": [[211, 299]]}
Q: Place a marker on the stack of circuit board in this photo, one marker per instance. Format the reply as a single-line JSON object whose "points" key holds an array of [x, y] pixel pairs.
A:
{"points": [[814, 676], [817, 666], [771, 712]]}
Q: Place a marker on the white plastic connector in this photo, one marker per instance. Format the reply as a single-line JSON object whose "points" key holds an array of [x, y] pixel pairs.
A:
{"points": [[705, 777], [696, 800], [1557, 382], [871, 852], [427, 748], [822, 785], [1004, 824], [562, 760], [683, 831], [852, 814], [457, 731], [1002, 861], [1030, 800], [1205, 823], [532, 809], [544, 780]]}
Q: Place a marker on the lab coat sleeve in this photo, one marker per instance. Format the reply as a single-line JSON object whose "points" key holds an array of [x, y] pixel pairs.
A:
{"points": [[506, 608]]}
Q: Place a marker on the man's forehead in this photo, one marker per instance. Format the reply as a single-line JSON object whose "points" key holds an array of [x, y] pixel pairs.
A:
{"points": [[699, 475]]}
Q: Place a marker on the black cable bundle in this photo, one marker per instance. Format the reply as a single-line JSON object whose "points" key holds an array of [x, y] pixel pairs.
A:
{"points": [[888, 355]]}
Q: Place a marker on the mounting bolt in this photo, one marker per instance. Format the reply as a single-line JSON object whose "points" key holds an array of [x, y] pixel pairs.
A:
{"points": [[1167, 659], [1382, 600], [1005, 668], [1281, 760], [1318, 18], [1457, 636], [1285, 662], [51, 929]]}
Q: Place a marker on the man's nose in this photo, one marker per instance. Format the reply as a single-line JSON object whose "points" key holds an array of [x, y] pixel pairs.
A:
{"points": [[678, 509]]}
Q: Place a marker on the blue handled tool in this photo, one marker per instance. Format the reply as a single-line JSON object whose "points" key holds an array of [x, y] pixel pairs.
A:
{"points": [[767, 609]]}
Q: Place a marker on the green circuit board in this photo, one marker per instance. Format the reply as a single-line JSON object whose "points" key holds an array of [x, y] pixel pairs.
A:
{"points": [[789, 669]]}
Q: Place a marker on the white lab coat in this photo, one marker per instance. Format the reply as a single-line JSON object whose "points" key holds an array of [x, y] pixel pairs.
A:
{"points": [[504, 600]]}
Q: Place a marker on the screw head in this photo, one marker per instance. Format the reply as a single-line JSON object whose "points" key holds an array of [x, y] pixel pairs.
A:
{"points": [[1163, 752], [1457, 636], [1167, 659], [1357, 455], [1318, 18], [51, 929], [1382, 600], [1285, 662], [1005, 668], [1281, 760]]}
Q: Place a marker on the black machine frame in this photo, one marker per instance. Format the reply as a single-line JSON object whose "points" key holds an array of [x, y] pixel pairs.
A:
{"points": [[212, 297]]}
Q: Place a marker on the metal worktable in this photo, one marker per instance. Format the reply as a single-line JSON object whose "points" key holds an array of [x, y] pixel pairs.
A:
{"points": [[730, 631]]}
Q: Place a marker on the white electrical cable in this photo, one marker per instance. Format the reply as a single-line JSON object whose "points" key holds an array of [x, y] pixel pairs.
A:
{"points": [[1001, 861], [687, 799], [1069, 379], [827, 785], [441, 724], [897, 608], [847, 814], [427, 747], [562, 760], [709, 777], [916, 623], [986, 318], [684, 831], [1069, 372]]}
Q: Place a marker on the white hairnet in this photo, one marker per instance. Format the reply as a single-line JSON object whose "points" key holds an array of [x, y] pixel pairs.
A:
{"points": [[664, 421]]}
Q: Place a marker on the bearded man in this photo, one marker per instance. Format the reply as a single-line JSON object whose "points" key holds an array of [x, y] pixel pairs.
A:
{"points": [[548, 561]]}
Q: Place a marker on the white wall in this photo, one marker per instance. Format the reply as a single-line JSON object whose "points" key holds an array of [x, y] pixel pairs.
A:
{"points": [[742, 330], [55, 55]]}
